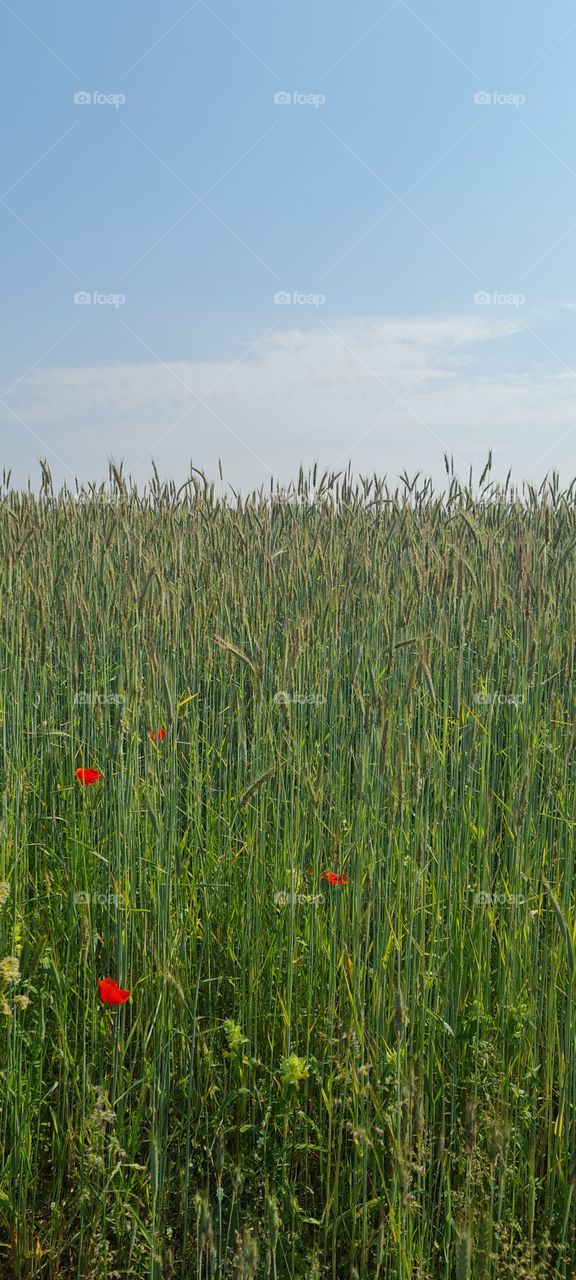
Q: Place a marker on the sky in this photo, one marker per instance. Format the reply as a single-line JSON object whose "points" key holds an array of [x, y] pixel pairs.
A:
{"points": [[274, 234]]}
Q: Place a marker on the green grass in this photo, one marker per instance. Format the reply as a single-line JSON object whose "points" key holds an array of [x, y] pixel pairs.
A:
{"points": [[380, 1084]]}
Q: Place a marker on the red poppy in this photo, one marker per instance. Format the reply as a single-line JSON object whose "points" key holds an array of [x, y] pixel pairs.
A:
{"points": [[87, 776], [157, 735], [332, 878], [110, 992]]}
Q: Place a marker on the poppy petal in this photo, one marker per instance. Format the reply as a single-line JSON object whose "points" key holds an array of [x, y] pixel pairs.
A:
{"points": [[87, 776], [110, 992]]}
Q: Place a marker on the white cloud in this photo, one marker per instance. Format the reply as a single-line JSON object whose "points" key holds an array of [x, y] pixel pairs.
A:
{"points": [[326, 392], [553, 308]]}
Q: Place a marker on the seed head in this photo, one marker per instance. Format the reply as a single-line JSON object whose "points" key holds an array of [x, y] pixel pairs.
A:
{"points": [[294, 1069], [469, 1125], [250, 1254], [204, 1221], [400, 1015], [233, 1033], [10, 969], [463, 1255], [272, 1221]]}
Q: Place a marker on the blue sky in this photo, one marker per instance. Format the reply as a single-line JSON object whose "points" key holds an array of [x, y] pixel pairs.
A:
{"points": [[421, 239]]}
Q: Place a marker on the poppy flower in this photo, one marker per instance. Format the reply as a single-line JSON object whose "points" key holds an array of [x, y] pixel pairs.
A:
{"points": [[110, 992], [332, 878], [157, 735], [87, 776]]}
